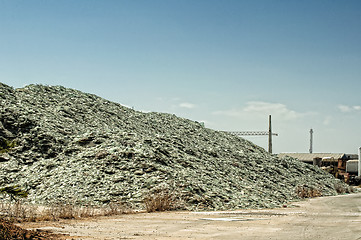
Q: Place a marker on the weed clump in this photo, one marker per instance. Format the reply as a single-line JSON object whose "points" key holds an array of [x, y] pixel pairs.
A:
{"points": [[342, 189], [161, 200], [307, 192], [23, 211]]}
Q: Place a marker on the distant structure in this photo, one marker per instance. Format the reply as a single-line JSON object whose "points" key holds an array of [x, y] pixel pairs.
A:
{"points": [[258, 133], [269, 135], [311, 140], [359, 162], [251, 133]]}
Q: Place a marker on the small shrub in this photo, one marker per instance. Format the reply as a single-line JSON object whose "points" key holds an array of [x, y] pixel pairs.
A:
{"points": [[115, 208], [161, 200], [307, 192], [352, 189], [343, 188]]}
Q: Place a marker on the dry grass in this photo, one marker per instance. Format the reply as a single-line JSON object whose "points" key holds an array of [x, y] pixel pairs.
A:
{"points": [[17, 211], [20, 211], [162, 200], [307, 192], [59, 211], [342, 188], [115, 208]]}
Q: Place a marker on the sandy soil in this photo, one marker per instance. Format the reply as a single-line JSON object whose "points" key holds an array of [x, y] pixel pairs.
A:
{"points": [[320, 218]]}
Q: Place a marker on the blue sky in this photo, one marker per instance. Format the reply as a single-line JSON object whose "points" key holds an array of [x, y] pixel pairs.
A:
{"points": [[228, 63]]}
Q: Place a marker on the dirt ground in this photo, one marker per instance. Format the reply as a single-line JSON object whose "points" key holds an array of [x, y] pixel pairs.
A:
{"points": [[328, 218]]}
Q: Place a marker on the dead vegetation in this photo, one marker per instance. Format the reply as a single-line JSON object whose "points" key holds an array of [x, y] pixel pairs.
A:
{"points": [[342, 189], [22, 211], [303, 191], [307, 192], [161, 200]]}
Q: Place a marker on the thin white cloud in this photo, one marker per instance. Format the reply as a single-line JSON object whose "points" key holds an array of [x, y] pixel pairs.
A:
{"points": [[345, 108], [357, 108], [187, 105], [263, 108], [278, 109], [327, 120]]}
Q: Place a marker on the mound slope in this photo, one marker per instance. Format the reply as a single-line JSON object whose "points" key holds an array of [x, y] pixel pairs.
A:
{"points": [[72, 146]]}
